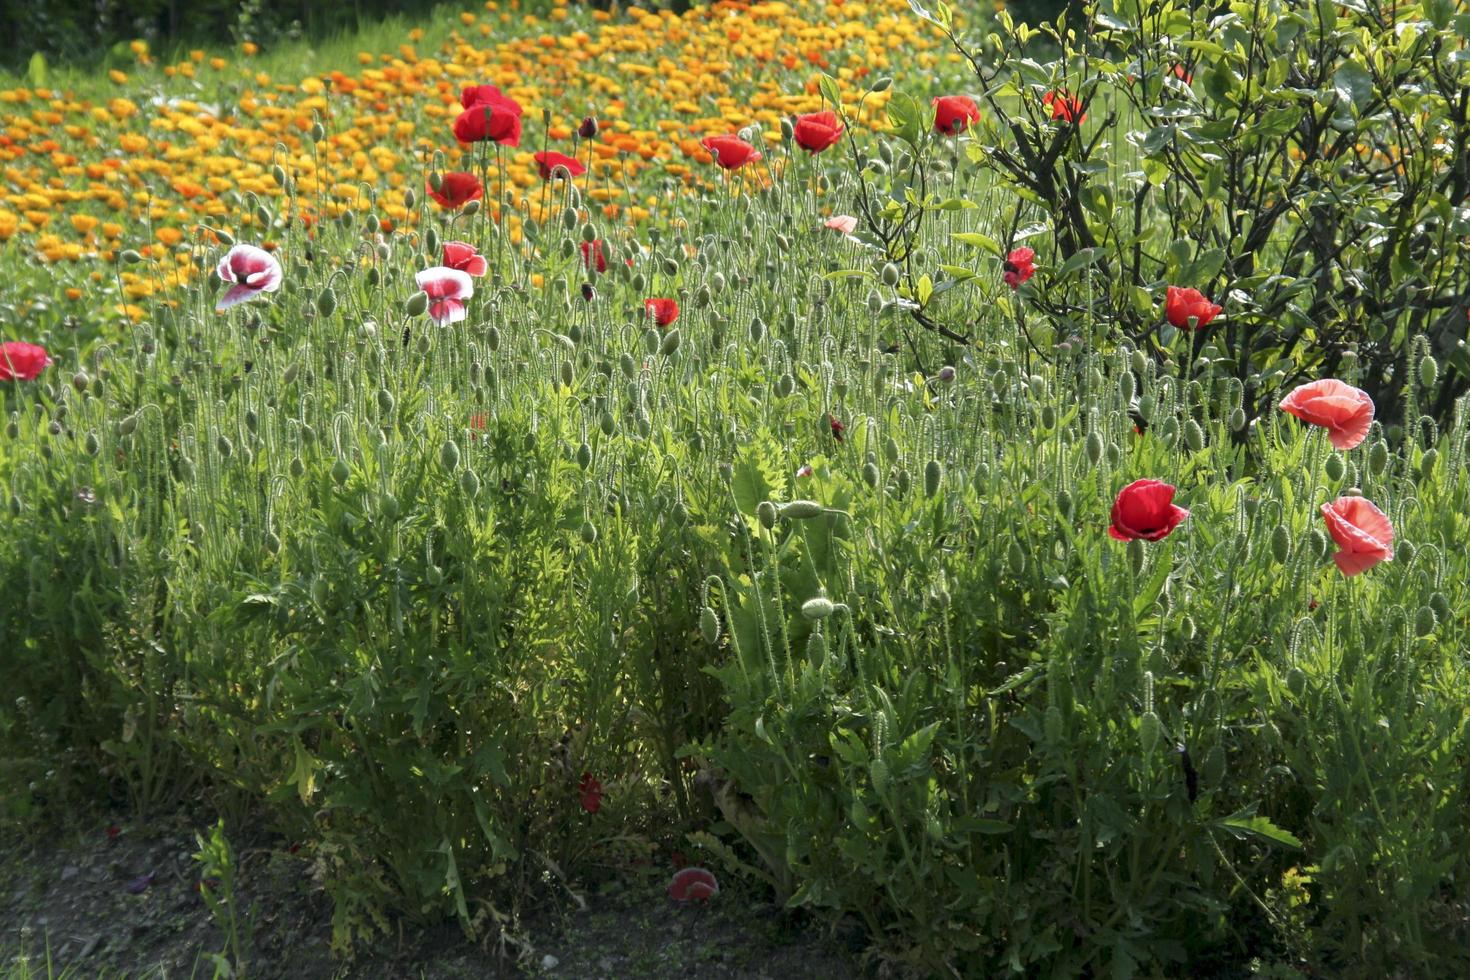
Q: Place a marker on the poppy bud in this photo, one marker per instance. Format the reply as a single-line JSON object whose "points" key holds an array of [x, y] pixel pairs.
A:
{"points": [[374, 277], [1052, 725], [278, 173], [589, 292], [1237, 419], [1296, 681], [709, 625], [765, 512], [904, 482], [469, 483], [1406, 552], [1440, 603], [1194, 436], [1048, 417], [933, 476], [1336, 469], [757, 330], [567, 374], [1425, 621], [817, 608], [871, 474], [1280, 544], [471, 207], [263, 215], [449, 455], [947, 374], [1377, 458], [588, 128], [386, 402], [417, 304], [1169, 431], [1139, 362], [882, 84], [1094, 447], [326, 302], [785, 385], [130, 256], [670, 343], [584, 456], [816, 650], [890, 449], [890, 274], [492, 339], [1319, 543], [1427, 461], [1428, 371], [788, 130], [389, 506], [589, 234], [800, 510], [589, 533], [318, 132]]}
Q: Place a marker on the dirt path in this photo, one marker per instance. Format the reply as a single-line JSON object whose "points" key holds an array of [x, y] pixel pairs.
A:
{"points": [[127, 901]]}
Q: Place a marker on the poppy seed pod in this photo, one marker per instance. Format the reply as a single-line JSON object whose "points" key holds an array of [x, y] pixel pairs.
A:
{"points": [[765, 512], [130, 256], [881, 85], [800, 510]]}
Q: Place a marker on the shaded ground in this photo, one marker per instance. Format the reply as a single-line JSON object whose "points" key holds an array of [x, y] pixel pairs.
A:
{"points": [[129, 903]]}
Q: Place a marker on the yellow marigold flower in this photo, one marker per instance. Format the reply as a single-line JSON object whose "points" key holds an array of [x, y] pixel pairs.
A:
{"points": [[73, 293], [217, 63], [84, 223], [196, 56], [138, 47], [466, 18], [112, 230], [250, 48], [118, 78], [169, 236], [133, 313]]}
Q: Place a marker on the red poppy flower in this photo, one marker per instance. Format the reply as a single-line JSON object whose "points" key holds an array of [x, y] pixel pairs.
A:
{"points": [[693, 885], [462, 256], [837, 428], [1182, 305], [663, 311], [1183, 74], [1362, 532], [456, 190], [20, 361], [548, 160], [817, 131], [1064, 107], [1344, 411], [953, 114], [1018, 267], [589, 791], [592, 255], [489, 116], [730, 152], [1145, 509]]}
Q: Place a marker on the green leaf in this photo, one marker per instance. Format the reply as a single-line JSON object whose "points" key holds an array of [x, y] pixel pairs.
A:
{"points": [[1079, 260], [1259, 826], [1353, 84], [37, 70], [827, 85], [979, 241]]}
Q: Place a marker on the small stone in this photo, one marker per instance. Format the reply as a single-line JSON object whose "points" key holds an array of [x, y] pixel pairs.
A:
{"points": [[69, 872], [549, 962]]}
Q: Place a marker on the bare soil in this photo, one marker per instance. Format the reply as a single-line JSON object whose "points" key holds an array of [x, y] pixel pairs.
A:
{"points": [[127, 903]]}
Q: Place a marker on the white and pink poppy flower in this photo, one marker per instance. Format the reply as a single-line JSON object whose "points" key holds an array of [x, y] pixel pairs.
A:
{"points": [[448, 289], [462, 256], [693, 885], [252, 270], [844, 223]]}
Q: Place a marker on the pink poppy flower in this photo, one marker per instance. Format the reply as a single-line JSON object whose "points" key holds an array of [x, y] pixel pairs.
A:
{"points": [[1344, 411], [462, 256], [252, 270], [693, 885], [844, 223], [1362, 532], [447, 289], [20, 361]]}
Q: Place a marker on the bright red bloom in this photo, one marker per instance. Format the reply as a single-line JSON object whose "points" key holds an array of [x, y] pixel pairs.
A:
{"points": [[1145, 509], [817, 131], [589, 791], [693, 885], [1344, 411], [489, 116], [1180, 305], [592, 255], [1064, 107], [1362, 532], [456, 189], [252, 271], [1018, 267], [20, 361], [953, 114], [462, 256], [663, 311], [548, 160], [837, 428], [730, 152], [1183, 74]]}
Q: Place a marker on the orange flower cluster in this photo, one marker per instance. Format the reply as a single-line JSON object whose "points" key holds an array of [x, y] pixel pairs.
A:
{"points": [[85, 178]]}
